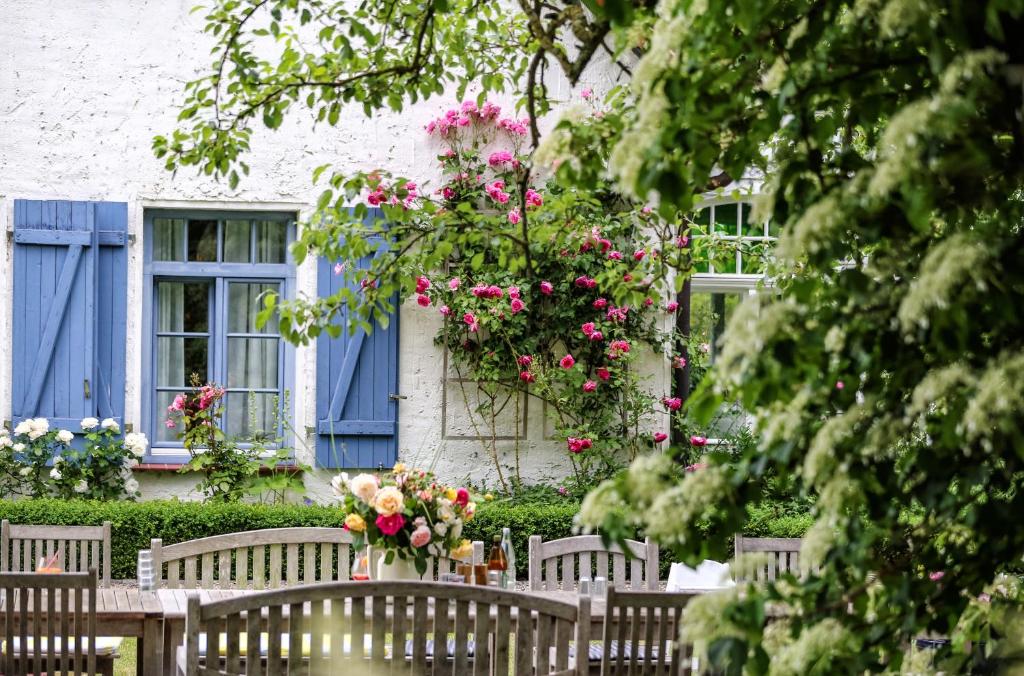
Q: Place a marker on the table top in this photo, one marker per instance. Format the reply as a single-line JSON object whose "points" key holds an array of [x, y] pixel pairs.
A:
{"points": [[121, 603]]}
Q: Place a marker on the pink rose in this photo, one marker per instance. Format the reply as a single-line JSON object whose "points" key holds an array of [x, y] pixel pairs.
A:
{"points": [[671, 306], [578, 445], [420, 537], [514, 217], [567, 362], [672, 403], [445, 310], [533, 198], [660, 437], [422, 284], [389, 525], [525, 360], [526, 376], [461, 497], [639, 254], [454, 283], [682, 241], [426, 496], [696, 440], [600, 303], [546, 288], [679, 362], [423, 300], [840, 384], [588, 328], [585, 282], [513, 292], [587, 93], [603, 373], [615, 255], [648, 302], [169, 424], [596, 336], [470, 319], [517, 306], [589, 386], [936, 576]]}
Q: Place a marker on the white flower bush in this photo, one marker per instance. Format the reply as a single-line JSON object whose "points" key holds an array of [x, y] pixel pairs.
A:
{"points": [[37, 461]]}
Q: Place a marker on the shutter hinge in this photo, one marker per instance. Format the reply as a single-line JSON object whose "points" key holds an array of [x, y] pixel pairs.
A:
{"points": [[396, 397], [85, 388]]}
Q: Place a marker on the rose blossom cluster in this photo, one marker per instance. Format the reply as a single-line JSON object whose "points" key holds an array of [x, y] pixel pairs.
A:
{"points": [[188, 405], [463, 116]]}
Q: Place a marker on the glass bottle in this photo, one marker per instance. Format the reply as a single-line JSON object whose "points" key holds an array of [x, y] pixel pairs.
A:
{"points": [[361, 566], [497, 560], [510, 558]]}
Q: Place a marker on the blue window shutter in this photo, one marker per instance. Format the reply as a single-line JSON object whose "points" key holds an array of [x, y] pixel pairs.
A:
{"points": [[357, 418], [70, 284]]}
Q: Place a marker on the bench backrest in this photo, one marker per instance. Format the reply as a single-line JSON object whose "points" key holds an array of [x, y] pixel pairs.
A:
{"points": [[559, 564], [78, 548], [344, 628], [778, 557], [641, 634], [49, 623], [258, 559]]}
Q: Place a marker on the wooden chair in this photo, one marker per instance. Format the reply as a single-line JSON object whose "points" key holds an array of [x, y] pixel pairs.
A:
{"points": [[780, 556], [61, 638], [442, 564], [558, 564], [344, 628], [78, 548], [641, 635], [257, 559]]}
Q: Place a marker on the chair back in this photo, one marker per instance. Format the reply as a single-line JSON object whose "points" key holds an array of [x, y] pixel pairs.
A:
{"points": [[345, 627], [257, 559], [78, 548], [641, 634], [559, 564], [780, 556], [49, 623]]}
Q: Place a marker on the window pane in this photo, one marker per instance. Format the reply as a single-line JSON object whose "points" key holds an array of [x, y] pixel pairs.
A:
{"points": [[252, 362], [169, 239], [724, 260], [725, 219], [270, 241], [202, 240], [178, 358], [244, 303], [236, 241], [183, 307], [250, 415], [163, 433], [701, 221]]}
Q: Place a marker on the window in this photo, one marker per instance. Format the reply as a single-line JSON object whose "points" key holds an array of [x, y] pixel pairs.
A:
{"points": [[725, 241], [207, 274]]}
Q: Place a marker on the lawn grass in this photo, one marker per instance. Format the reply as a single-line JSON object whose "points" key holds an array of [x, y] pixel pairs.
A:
{"points": [[125, 664]]}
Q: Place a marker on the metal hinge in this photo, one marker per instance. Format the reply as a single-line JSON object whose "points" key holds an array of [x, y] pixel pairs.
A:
{"points": [[396, 397]]}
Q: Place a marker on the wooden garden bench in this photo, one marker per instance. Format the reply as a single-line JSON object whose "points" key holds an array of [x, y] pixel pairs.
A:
{"points": [[366, 627], [641, 635], [49, 625], [78, 548], [559, 564], [780, 556]]}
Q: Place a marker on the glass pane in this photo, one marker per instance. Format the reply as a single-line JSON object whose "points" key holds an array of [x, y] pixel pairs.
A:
{"points": [[183, 307], [773, 229], [725, 219], [244, 303], [169, 239], [163, 433], [724, 260], [701, 221], [236, 241], [251, 415], [178, 358], [202, 240], [252, 362], [270, 241]]}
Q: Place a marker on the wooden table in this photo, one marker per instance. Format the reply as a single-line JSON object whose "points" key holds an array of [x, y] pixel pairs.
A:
{"points": [[126, 611]]}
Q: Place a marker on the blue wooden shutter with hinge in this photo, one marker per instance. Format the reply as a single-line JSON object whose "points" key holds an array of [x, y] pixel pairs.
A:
{"points": [[69, 311], [356, 387]]}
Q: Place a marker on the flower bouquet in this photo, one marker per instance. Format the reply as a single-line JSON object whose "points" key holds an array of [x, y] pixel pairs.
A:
{"points": [[407, 514]]}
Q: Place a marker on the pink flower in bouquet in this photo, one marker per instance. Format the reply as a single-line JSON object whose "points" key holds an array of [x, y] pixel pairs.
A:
{"points": [[526, 377], [578, 445], [423, 300], [567, 362], [422, 284], [514, 217], [517, 306], [389, 525], [660, 437], [588, 328], [514, 292], [420, 537], [426, 496], [461, 497], [600, 303], [445, 310], [697, 440], [615, 255], [533, 198], [672, 403], [524, 360], [589, 386], [469, 107], [671, 306], [639, 254], [453, 283], [546, 288], [603, 373]]}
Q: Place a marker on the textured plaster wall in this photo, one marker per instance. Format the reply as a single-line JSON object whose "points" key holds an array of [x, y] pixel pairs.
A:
{"points": [[86, 84]]}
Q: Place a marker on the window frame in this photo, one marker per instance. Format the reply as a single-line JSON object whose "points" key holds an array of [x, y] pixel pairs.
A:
{"points": [[220, 275]]}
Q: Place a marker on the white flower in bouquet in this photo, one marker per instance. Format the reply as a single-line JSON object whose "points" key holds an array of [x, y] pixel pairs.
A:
{"points": [[441, 528], [24, 427], [445, 511], [388, 501], [364, 486], [110, 424], [55, 474], [456, 529], [90, 423], [136, 442], [131, 485], [65, 437], [40, 426], [340, 483], [82, 486], [18, 448]]}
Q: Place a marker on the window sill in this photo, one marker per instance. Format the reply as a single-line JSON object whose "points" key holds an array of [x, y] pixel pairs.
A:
{"points": [[175, 466]]}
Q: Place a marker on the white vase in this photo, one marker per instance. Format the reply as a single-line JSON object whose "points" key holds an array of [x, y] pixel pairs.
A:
{"points": [[398, 569]]}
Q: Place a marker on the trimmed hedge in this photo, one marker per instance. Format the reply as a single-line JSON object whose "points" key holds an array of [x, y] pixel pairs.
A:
{"points": [[133, 524]]}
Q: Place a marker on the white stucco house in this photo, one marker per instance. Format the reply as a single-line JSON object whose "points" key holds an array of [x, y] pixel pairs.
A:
{"points": [[120, 278]]}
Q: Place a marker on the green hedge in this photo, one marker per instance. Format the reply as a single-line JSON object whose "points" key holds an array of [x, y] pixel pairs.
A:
{"points": [[135, 523]]}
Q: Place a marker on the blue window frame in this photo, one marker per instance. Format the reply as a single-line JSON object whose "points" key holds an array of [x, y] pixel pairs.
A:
{"points": [[204, 275]]}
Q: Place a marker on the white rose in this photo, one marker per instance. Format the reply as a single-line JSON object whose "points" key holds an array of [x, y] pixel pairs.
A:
{"points": [[57, 459], [40, 426], [340, 483], [131, 486], [65, 436], [24, 427], [55, 474], [129, 462], [5, 442], [18, 448], [110, 424], [457, 529], [136, 442], [82, 486], [364, 486], [441, 528], [90, 423], [445, 512]]}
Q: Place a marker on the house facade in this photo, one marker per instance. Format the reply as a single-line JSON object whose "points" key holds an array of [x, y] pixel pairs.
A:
{"points": [[120, 279]]}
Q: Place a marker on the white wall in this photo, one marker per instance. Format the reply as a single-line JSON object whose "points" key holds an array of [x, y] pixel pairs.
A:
{"points": [[86, 84]]}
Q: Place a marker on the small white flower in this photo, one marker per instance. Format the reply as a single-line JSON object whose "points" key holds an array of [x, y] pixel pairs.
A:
{"points": [[4, 432], [90, 423], [65, 437], [55, 474], [136, 442], [110, 424], [131, 486], [18, 447], [5, 442], [39, 427], [441, 528], [82, 486], [25, 471], [24, 427], [340, 483], [57, 459], [129, 462]]}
